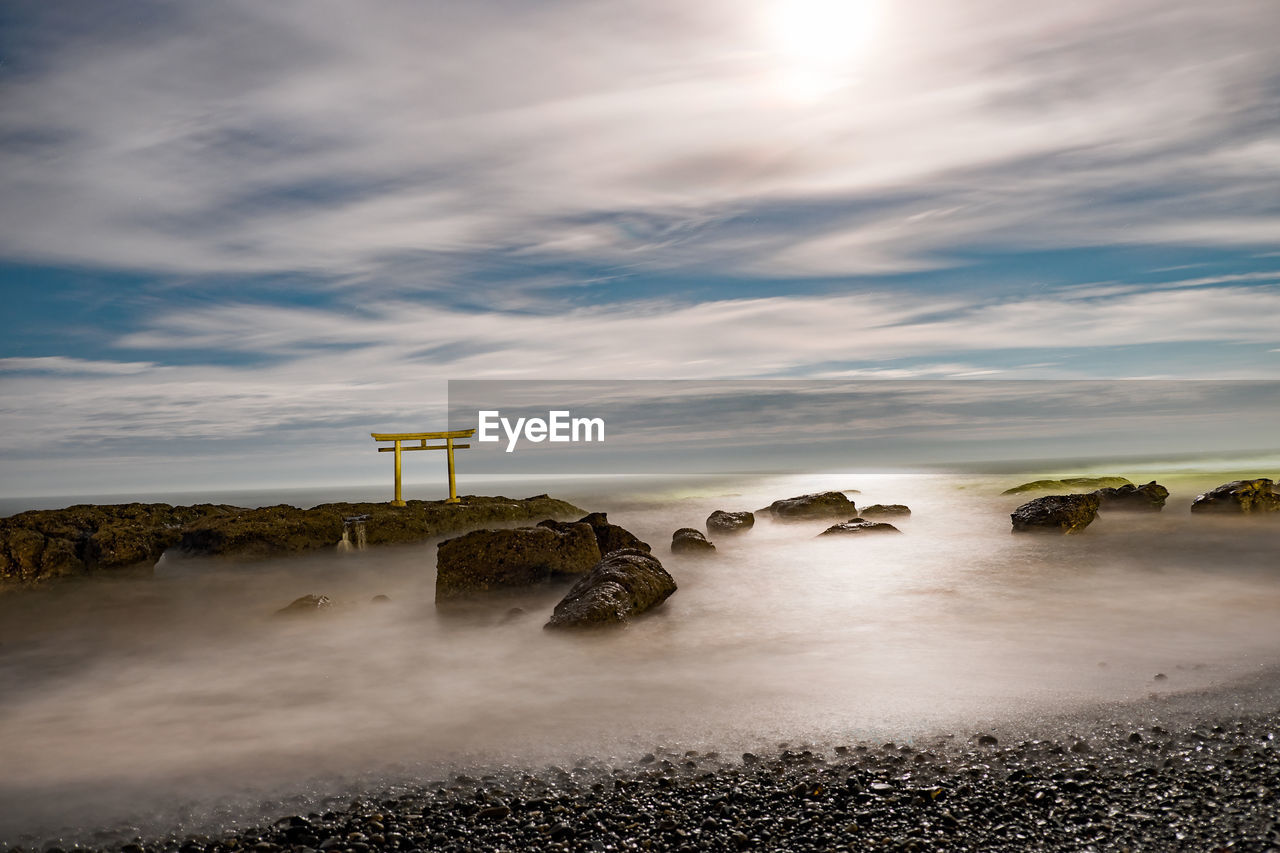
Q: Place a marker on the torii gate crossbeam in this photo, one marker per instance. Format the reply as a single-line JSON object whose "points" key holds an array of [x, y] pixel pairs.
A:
{"points": [[423, 437]]}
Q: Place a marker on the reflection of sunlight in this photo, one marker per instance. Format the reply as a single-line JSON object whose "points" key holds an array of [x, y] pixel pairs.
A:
{"points": [[818, 42]]}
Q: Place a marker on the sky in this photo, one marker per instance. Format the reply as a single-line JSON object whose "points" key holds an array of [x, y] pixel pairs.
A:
{"points": [[236, 237]]}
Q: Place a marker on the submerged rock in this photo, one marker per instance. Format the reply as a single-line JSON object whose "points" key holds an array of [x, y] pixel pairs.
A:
{"points": [[1069, 484], [730, 522], [489, 560], [884, 509], [624, 584], [609, 537], [1149, 497], [686, 540], [1240, 496], [305, 604], [1056, 514], [818, 505], [859, 525]]}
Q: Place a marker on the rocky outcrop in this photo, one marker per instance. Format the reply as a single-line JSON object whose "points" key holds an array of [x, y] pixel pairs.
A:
{"points": [[819, 505], [1240, 496], [884, 510], [609, 537], [279, 530], [730, 522], [85, 539], [1145, 498], [686, 540], [1069, 484], [485, 561], [621, 586], [859, 525], [1056, 514]]}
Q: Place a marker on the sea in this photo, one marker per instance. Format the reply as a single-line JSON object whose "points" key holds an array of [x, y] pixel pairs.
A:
{"points": [[178, 699]]}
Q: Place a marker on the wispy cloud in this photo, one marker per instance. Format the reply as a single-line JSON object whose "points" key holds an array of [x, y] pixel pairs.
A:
{"points": [[309, 136], [322, 210], [388, 363], [62, 364]]}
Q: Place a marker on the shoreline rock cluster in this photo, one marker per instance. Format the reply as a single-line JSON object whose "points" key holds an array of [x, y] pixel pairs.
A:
{"points": [[87, 539], [619, 577], [1072, 513]]}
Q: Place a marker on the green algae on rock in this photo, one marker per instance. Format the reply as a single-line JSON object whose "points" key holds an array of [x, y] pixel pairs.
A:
{"points": [[1070, 484]]}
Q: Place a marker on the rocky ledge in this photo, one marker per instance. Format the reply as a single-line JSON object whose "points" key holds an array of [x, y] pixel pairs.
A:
{"points": [[87, 539], [1070, 484]]}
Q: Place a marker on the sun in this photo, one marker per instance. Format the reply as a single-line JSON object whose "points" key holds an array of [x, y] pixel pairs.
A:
{"points": [[818, 42]]}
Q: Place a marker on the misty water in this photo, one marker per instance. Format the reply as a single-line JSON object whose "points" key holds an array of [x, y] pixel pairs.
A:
{"points": [[179, 699]]}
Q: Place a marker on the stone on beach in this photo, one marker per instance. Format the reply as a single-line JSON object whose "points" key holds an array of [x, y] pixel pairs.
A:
{"points": [[817, 505], [624, 584], [1240, 496], [1056, 514], [609, 537], [485, 561], [686, 540], [1149, 497], [730, 522], [884, 509], [859, 525]]}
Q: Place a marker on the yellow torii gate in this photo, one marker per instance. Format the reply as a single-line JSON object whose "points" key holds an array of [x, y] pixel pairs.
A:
{"points": [[448, 447]]}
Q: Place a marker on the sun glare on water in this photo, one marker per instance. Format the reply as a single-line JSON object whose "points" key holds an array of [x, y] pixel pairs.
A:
{"points": [[819, 43]]}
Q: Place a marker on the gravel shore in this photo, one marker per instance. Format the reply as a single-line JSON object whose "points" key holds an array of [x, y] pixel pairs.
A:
{"points": [[1155, 776]]}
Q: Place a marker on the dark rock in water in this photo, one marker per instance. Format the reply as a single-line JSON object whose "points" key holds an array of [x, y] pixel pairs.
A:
{"points": [[88, 539], [609, 537], [1240, 496], [515, 614], [730, 522], [686, 540], [1069, 484], [1149, 497], [818, 505], [859, 525], [488, 560], [305, 604], [884, 509], [380, 599], [1057, 514], [622, 585], [280, 530]]}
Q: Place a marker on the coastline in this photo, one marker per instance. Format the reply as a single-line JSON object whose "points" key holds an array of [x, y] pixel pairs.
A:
{"points": [[730, 649], [1195, 770]]}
